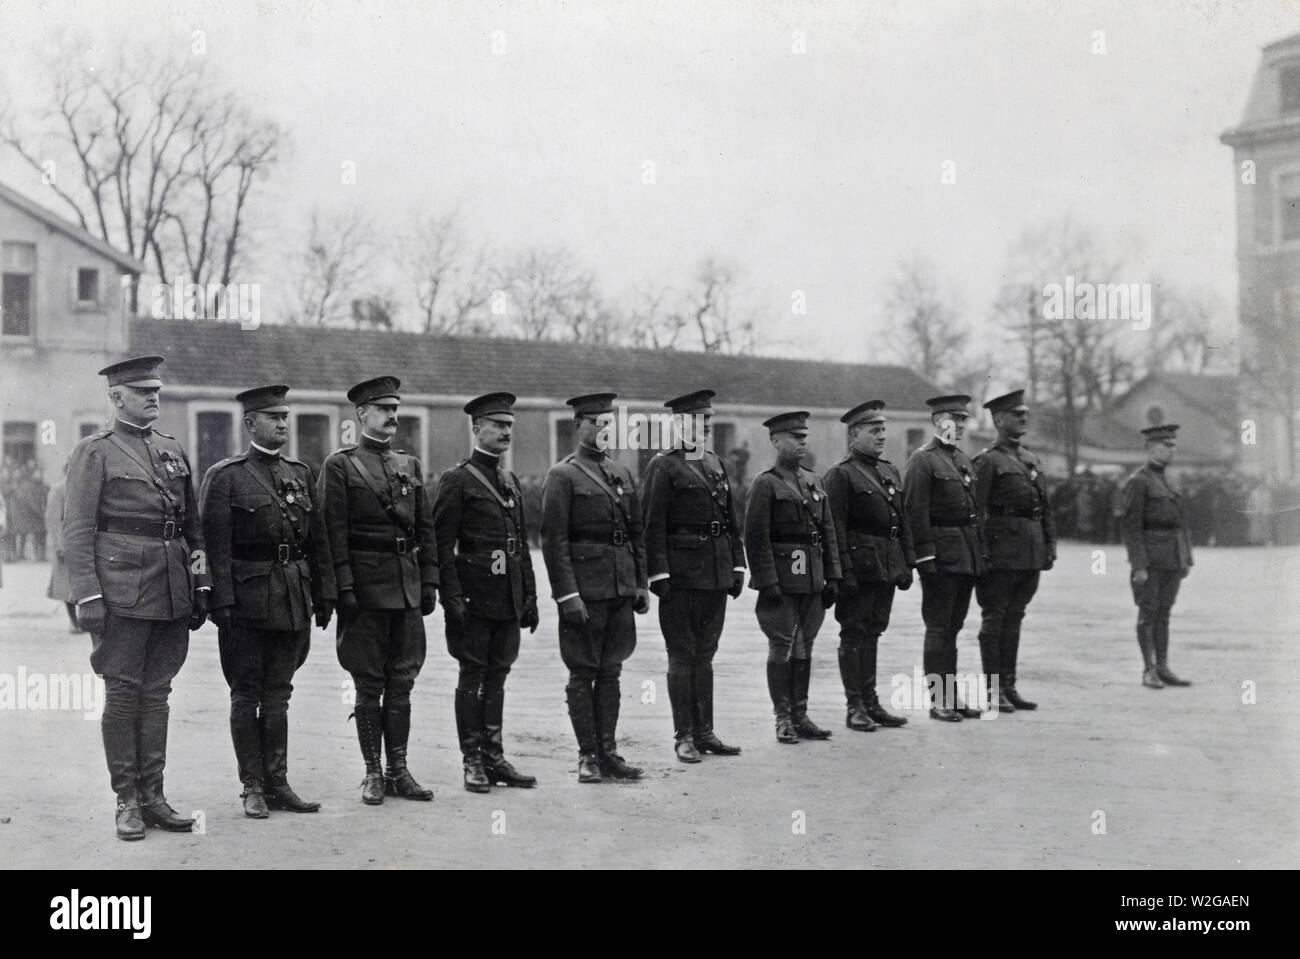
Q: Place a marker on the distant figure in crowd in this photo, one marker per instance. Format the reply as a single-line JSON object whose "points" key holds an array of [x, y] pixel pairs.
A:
{"points": [[59, 588]]}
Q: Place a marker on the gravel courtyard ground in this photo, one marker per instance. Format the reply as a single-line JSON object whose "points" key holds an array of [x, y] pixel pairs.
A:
{"points": [[1105, 774]]}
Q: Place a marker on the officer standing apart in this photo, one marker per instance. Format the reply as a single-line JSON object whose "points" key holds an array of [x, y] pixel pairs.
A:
{"points": [[270, 569], [1159, 552], [381, 542], [695, 560], [1020, 537], [488, 590], [794, 564], [595, 557], [940, 499], [138, 573], [866, 500]]}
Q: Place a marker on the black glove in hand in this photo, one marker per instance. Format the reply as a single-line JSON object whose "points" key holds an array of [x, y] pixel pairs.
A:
{"points": [[92, 616], [905, 581], [574, 611], [530, 618], [199, 611], [737, 586], [348, 605], [642, 603], [830, 593], [769, 595], [324, 612], [660, 588], [848, 586], [221, 616], [428, 600]]}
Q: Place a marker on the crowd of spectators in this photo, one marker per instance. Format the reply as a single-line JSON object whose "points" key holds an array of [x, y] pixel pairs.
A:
{"points": [[24, 492]]}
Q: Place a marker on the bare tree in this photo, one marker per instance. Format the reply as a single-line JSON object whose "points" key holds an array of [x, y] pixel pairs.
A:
{"points": [[650, 319], [555, 298], [450, 283], [151, 147], [1192, 331], [331, 270], [924, 329]]}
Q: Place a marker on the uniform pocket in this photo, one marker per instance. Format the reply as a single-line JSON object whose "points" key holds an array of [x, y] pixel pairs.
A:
{"points": [[252, 589], [120, 567]]}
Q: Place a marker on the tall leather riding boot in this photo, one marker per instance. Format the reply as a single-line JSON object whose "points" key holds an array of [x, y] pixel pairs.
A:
{"points": [[778, 687], [706, 740], [118, 728], [1150, 676], [398, 780], [607, 703], [1160, 639], [500, 772], [800, 677], [370, 735], [151, 744], [851, 675], [274, 723], [679, 698], [246, 737], [470, 732], [867, 672], [994, 680], [582, 713], [1010, 656]]}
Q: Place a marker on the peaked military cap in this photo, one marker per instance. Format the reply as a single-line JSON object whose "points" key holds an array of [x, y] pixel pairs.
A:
{"points": [[592, 404], [380, 388], [1165, 431], [1015, 400], [788, 422], [955, 403], [264, 399], [872, 411], [697, 402], [490, 404], [141, 371]]}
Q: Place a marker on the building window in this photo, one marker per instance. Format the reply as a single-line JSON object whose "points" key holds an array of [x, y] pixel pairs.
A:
{"points": [[1289, 81], [314, 435], [1288, 192], [563, 435], [18, 261], [410, 435], [87, 287], [86, 428], [915, 438], [19, 444], [215, 435]]}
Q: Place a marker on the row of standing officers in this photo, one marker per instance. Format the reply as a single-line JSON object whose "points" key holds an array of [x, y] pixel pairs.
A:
{"points": [[267, 546]]}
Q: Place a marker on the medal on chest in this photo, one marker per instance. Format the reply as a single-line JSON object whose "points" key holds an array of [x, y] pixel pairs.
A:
{"points": [[965, 476], [1033, 474], [404, 484], [169, 464]]}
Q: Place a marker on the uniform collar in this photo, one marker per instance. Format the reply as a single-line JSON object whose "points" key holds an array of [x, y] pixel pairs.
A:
{"points": [[374, 443], [134, 430], [591, 453], [871, 459], [481, 457], [263, 451]]}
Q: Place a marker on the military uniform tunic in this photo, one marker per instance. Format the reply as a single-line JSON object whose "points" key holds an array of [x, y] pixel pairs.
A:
{"points": [[1156, 538]]}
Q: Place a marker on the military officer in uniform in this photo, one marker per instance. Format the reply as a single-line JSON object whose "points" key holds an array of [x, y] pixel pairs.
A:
{"points": [[1020, 539], [139, 576], [595, 558], [794, 563], [269, 569], [381, 542], [488, 591], [876, 557], [695, 559], [1159, 552], [939, 495]]}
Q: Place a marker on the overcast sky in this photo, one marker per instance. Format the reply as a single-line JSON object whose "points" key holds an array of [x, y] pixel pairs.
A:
{"points": [[813, 171]]}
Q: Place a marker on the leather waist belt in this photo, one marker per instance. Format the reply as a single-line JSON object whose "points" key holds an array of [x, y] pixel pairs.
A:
{"points": [[487, 547], [268, 552], [1165, 526], [715, 529], [618, 537], [953, 520], [169, 529], [378, 543], [884, 532], [1034, 512], [812, 538]]}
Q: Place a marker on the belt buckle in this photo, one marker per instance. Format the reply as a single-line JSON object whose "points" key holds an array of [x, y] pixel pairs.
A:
{"points": [[282, 553], [169, 529], [619, 537], [512, 546], [715, 528], [893, 532], [401, 545]]}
